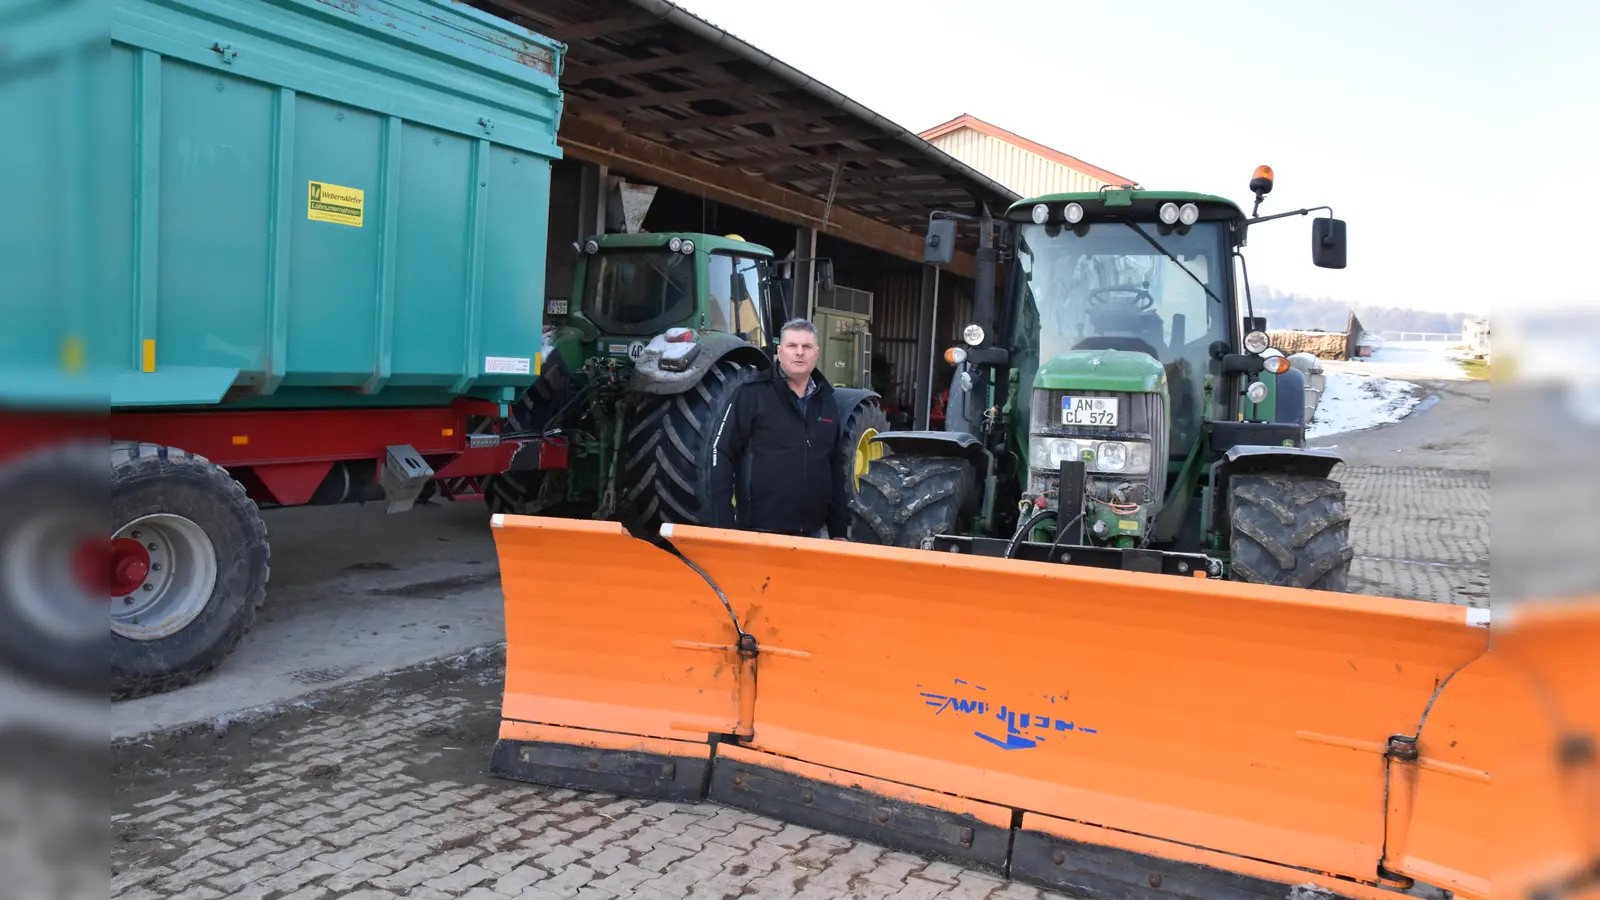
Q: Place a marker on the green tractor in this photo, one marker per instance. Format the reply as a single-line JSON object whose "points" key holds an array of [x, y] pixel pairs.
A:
{"points": [[1123, 412], [663, 329]]}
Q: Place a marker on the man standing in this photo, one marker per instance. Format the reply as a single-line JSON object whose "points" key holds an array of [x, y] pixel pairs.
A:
{"points": [[777, 448]]}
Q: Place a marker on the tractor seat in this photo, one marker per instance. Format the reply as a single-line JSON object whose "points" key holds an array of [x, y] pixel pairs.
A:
{"points": [[1124, 330]]}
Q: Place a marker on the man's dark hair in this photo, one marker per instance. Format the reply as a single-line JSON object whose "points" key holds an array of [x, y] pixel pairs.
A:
{"points": [[798, 325]]}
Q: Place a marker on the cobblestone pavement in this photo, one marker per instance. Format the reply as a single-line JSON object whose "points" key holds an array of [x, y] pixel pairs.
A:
{"points": [[380, 791], [1421, 534]]}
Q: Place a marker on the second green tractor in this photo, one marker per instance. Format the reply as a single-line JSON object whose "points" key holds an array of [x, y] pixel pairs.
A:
{"points": [[661, 329]]}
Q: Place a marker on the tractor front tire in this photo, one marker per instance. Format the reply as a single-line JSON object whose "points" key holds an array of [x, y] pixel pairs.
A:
{"points": [[904, 500], [1289, 531], [666, 452], [866, 420], [190, 567]]}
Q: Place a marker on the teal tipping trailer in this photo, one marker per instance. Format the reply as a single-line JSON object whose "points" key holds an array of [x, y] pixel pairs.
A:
{"points": [[323, 281]]}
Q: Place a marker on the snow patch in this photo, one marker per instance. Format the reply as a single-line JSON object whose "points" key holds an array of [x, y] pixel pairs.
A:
{"points": [[1352, 402]]}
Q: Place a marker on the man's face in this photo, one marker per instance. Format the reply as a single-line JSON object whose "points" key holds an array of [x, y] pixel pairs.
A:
{"points": [[797, 353]]}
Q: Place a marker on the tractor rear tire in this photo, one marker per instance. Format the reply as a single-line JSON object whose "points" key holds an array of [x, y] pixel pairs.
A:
{"points": [[666, 453], [906, 499], [207, 567], [1289, 531]]}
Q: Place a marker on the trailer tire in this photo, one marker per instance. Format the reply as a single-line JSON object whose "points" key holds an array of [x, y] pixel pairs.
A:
{"points": [[1289, 531], [666, 452], [906, 499], [211, 534], [52, 602]]}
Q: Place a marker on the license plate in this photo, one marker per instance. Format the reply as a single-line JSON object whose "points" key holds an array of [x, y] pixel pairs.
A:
{"points": [[1095, 412]]}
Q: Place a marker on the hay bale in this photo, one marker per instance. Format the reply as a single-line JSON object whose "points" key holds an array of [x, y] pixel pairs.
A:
{"points": [[1321, 344]]}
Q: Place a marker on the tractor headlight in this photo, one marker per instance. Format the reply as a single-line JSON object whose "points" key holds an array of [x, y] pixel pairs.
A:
{"points": [[675, 244], [1046, 454], [1121, 457], [1256, 342], [1257, 392], [973, 335], [687, 246], [1073, 213], [592, 247], [1041, 213], [1169, 213], [1189, 214], [1110, 456]]}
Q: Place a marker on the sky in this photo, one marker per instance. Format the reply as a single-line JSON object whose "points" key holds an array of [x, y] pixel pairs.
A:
{"points": [[1440, 132]]}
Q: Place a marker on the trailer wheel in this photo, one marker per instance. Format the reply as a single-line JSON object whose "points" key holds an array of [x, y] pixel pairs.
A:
{"points": [[666, 452], [906, 499], [53, 566], [189, 567], [1290, 531]]}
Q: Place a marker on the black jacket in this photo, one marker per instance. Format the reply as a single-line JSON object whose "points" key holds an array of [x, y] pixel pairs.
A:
{"points": [[784, 467]]}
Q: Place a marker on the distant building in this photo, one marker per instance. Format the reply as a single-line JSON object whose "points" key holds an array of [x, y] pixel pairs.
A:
{"points": [[1475, 334], [1024, 166]]}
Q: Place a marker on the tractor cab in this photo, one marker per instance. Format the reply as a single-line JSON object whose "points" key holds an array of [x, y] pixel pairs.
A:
{"points": [[631, 289], [1111, 336]]}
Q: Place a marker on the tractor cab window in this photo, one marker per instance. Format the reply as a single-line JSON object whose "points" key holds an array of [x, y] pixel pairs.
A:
{"points": [[639, 292], [1109, 289], [735, 293]]}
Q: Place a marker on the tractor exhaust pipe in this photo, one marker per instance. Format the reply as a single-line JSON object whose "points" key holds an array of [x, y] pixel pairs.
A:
{"points": [[984, 278]]}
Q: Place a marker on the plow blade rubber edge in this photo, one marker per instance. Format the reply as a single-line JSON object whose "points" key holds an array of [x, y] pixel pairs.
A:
{"points": [[621, 662], [1239, 728]]}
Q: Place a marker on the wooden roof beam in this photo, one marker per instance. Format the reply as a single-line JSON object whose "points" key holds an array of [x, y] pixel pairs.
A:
{"points": [[585, 139], [656, 98]]}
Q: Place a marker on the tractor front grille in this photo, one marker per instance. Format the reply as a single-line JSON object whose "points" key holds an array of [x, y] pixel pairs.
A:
{"points": [[1140, 417]]}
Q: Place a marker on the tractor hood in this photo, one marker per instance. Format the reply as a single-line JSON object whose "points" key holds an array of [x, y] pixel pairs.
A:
{"points": [[1122, 371]]}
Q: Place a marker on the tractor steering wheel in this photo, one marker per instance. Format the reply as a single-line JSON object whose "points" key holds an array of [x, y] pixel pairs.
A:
{"points": [[1141, 301]]}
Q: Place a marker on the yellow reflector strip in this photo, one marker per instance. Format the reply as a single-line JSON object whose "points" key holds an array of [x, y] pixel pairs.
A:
{"points": [[149, 354]]}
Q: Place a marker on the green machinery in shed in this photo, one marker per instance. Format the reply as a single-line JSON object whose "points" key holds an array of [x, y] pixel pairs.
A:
{"points": [[660, 331], [319, 269]]}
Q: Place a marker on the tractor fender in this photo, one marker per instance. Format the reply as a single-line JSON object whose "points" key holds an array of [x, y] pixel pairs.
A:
{"points": [[939, 443], [848, 399], [650, 378], [1248, 458]]}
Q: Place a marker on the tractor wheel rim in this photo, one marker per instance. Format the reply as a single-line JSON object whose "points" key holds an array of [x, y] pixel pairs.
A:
{"points": [[179, 574], [866, 452]]}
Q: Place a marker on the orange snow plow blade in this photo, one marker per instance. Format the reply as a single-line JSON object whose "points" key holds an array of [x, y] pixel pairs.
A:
{"points": [[1075, 728], [611, 644]]}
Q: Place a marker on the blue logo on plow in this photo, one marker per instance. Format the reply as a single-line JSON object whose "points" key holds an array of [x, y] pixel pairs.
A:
{"points": [[1021, 731]]}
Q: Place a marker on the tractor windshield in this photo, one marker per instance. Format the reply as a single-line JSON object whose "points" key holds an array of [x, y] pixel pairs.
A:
{"points": [[1109, 289], [736, 293], [639, 292]]}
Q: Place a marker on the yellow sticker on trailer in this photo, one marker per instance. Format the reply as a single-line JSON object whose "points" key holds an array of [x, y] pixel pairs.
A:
{"points": [[335, 203]]}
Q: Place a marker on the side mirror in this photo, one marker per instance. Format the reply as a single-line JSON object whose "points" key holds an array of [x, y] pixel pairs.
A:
{"points": [[824, 275], [1327, 243], [939, 246]]}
